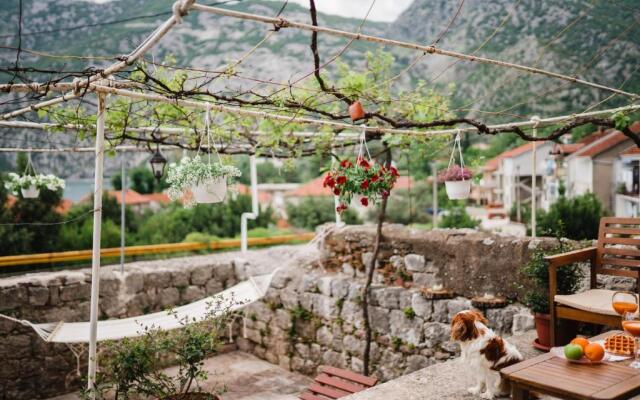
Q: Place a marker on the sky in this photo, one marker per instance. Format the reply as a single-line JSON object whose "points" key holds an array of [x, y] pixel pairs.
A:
{"points": [[383, 10]]}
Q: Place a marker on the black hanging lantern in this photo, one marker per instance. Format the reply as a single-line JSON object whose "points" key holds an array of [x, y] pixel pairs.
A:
{"points": [[158, 163]]}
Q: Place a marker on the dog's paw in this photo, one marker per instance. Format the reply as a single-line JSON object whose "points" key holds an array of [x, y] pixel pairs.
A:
{"points": [[475, 390], [487, 395]]}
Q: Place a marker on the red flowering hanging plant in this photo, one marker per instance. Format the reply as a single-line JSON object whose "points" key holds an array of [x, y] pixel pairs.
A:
{"points": [[366, 179]]}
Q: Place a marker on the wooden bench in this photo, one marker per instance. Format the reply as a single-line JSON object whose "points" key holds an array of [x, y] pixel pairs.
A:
{"points": [[334, 383]]}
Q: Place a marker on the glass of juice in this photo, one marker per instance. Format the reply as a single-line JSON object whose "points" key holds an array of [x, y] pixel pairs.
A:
{"points": [[624, 302], [631, 325]]}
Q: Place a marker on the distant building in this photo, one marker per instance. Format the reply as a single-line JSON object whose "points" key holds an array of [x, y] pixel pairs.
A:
{"points": [[509, 176], [135, 200]]}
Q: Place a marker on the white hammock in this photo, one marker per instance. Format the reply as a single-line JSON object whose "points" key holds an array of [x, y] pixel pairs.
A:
{"points": [[231, 299]]}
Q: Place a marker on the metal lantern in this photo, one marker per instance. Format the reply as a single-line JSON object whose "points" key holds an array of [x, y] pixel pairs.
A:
{"points": [[158, 163]]}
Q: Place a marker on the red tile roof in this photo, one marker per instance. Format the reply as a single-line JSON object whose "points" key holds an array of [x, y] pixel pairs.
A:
{"points": [[263, 197], [633, 150], [161, 198], [64, 206], [494, 163], [131, 197], [612, 139], [312, 188]]}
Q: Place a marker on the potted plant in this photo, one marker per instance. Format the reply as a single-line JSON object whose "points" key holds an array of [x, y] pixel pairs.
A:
{"points": [[365, 181], [29, 186], [206, 182], [457, 181], [536, 295]]}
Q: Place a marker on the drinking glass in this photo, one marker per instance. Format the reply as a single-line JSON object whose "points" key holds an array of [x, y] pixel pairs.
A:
{"points": [[631, 325], [624, 302]]}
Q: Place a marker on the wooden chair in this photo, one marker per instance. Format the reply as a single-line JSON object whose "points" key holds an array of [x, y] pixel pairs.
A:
{"points": [[616, 253], [334, 383]]}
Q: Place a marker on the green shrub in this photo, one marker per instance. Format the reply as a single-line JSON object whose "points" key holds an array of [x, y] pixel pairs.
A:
{"points": [[536, 271], [577, 218], [314, 211], [458, 218]]}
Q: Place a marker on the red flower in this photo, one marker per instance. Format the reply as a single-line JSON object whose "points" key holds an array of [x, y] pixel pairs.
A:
{"points": [[394, 171], [364, 185], [374, 178], [336, 191], [328, 181], [341, 180], [364, 201], [345, 164], [341, 208], [385, 194], [363, 163]]}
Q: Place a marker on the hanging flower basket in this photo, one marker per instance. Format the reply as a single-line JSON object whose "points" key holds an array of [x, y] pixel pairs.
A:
{"points": [[457, 181], [363, 181], [456, 178], [206, 181], [29, 186]]}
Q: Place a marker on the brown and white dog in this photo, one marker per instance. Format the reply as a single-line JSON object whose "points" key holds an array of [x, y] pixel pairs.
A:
{"points": [[484, 352]]}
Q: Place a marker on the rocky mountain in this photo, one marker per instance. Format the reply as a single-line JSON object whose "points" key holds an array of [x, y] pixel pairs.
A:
{"points": [[594, 39]]}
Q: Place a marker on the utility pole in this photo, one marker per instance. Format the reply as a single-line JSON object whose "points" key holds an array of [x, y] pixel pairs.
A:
{"points": [[123, 191]]}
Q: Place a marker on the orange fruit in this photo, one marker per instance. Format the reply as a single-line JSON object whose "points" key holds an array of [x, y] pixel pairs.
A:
{"points": [[594, 351], [582, 342]]}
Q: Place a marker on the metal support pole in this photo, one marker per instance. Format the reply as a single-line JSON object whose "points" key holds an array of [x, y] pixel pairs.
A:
{"points": [[534, 173], [435, 194], [97, 225], [518, 206], [255, 209], [123, 191]]}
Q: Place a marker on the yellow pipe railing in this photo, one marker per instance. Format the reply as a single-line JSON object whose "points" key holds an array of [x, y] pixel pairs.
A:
{"points": [[80, 255]]}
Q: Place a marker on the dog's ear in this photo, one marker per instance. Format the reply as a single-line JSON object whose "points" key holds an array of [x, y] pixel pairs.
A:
{"points": [[479, 317], [494, 350]]}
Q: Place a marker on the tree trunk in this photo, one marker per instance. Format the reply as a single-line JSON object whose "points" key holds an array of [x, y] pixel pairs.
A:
{"points": [[370, 270]]}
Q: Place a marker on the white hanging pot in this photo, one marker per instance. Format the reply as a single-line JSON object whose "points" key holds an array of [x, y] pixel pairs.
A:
{"points": [[458, 190], [31, 192], [212, 190]]}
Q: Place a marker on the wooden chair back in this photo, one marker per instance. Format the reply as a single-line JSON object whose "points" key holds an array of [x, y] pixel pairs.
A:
{"points": [[334, 383], [618, 250]]}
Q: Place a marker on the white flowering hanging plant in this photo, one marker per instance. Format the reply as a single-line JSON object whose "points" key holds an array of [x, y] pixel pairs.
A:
{"points": [[15, 182], [190, 172]]}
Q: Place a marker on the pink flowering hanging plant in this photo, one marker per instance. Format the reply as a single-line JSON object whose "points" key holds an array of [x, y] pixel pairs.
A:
{"points": [[363, 178], [454, 173]]}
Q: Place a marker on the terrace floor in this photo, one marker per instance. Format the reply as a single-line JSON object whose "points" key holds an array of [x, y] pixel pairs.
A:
{"points": [[245, 377]]}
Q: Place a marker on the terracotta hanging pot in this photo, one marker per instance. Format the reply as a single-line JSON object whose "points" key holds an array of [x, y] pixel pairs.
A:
{"points": [[356, 111]]}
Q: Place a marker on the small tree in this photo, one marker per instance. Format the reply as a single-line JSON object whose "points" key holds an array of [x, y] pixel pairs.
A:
{"points": [[580, 217]]}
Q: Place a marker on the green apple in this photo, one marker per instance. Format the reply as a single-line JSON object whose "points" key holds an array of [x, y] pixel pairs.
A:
{"points": [[573, 351]]}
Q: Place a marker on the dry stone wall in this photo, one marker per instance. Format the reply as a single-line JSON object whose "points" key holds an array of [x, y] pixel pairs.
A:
{"points": [[32, 368]]}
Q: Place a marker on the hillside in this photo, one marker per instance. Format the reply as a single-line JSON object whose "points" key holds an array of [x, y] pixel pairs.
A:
{"points": [[596, 40]]}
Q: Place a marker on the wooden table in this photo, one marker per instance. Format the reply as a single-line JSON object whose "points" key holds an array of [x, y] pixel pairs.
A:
{"points": [[550, 375]]}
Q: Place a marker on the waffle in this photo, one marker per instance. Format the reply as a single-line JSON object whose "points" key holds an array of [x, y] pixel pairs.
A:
{"points": [[620, 344]]}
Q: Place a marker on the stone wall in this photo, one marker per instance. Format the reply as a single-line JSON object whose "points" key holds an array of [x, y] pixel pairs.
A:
{"points": [[467, 261], [312, 319], [32, 368]]}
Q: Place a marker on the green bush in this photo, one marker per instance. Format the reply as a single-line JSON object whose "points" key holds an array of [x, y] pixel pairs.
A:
{"points": [[457, 217], [404, 207], [577, 218], [314, 211]]}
